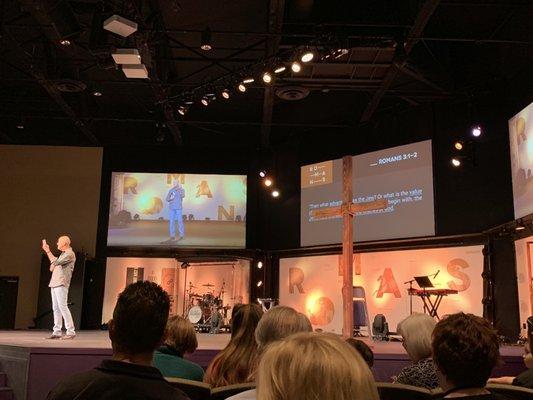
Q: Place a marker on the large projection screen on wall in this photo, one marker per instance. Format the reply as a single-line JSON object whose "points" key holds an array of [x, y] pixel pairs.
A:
{"points": [[146, 209], [521, 146], [402, 175]]}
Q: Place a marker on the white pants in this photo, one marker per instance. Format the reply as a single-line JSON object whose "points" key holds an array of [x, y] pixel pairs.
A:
{"points": [[61, 311]]}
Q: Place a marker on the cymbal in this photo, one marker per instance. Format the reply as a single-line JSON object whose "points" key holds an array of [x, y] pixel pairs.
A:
{"points": [[208, 285]]}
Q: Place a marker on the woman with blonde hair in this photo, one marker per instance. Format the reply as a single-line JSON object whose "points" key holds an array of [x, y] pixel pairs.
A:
{"points": [[180, 338], [416, 331], [235, 363], [276, 324], [314, 366]]}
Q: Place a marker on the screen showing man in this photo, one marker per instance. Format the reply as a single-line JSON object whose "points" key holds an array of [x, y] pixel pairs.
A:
{"points": [[177, 210]]}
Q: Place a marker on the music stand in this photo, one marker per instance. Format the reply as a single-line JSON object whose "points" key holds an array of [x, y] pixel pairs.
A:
{"points": [[423, 282]]}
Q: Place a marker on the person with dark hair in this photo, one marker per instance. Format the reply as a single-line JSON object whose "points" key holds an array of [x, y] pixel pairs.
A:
{"points": [[237, 361], [136, 330], [525, 379], [363, 349], [180, 339], [465, 350]]}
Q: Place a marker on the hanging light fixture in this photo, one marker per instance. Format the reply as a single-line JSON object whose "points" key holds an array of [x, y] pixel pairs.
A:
{"points": [[241, 87], [296, 66], [225, 94], [267, 77], [206, 43]]}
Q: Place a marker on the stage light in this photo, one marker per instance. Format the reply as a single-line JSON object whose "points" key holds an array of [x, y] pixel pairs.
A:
{"points": [[248, 80], [267, 77], [520, 226], [458, 145], [476, 131], [97, 93], [225, 94], [296, 66], [259, 264], [275, 193], [20, 125], [241, 87], [456, 162], [64, 42], [182, 110], [260, 283], [280, 69], [206, 44], [204, 101], [268, 182], [307, 56], [262, 173]]}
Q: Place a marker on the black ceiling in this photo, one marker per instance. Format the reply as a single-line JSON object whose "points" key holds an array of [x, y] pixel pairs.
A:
{"points": [[450, 51]]}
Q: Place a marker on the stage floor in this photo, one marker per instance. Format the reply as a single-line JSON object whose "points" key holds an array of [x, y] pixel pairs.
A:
{"points": [[91, 340], [27, 357]]}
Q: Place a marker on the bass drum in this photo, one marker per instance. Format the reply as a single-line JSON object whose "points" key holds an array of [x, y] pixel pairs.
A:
{"points": [[195, 314]]}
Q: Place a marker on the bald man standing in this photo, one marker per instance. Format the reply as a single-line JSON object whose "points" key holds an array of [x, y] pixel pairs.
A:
{"points": [[61, 268]]}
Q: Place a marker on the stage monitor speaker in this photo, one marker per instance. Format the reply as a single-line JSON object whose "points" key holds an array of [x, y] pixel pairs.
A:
{"points": [[93, 294], [45, 318], [9, 287]]}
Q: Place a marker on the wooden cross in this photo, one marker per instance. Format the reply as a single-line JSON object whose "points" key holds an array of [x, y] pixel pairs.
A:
{"points": [[348, 209]]}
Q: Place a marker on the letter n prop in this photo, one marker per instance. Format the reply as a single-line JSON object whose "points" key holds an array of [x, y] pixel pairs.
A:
{"points": [[224, 214], [296, 278]]}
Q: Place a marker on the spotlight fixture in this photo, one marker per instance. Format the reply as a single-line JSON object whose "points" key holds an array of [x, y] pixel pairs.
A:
{"points": [[97, 93], [267, 77], [182, 110], [259, 283], [296, 66], [275, 193], [206, 44], [268, 182], [262, 173], [520, 226], [476, 131], [225, 94], [20, 125], [248, 80], [307, 56], [241, 87], [279, 69], [456, 162], [204, 101], [260, 264], [458, 145], [64, 42]]}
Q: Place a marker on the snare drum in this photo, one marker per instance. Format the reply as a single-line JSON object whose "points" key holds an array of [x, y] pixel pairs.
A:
{"points": [[195, 314]]}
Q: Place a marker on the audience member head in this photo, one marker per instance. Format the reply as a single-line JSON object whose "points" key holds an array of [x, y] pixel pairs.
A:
{"points": [[180, 335], [363, 350], [278, 323], [139, 319], [416, 331], [465, 350], [310, 366], [237, 361]]}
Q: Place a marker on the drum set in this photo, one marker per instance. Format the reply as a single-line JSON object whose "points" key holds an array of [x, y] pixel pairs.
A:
{"points": [[207, 311]]}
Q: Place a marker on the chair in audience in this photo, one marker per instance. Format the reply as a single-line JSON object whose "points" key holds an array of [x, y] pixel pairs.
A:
{"points": [[511, 391], [194, 389], [223, 392], [396, 391]]}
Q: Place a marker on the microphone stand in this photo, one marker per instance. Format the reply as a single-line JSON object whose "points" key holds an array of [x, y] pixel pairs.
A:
{"points": [[410, 295]]}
